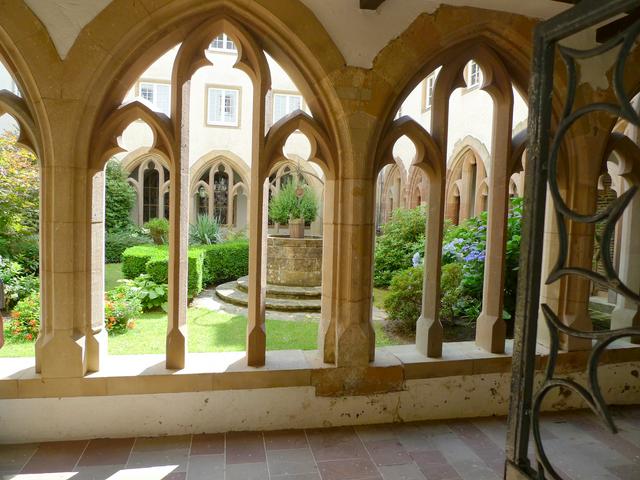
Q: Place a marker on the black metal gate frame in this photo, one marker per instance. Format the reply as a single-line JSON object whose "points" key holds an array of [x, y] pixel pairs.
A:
{"points": [[542, 174]]}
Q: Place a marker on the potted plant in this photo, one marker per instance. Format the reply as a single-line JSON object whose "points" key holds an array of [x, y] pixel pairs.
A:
{"points": [[294, 204]]}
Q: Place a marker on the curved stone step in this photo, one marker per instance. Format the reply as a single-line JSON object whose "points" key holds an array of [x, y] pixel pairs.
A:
{"points": [[283, 291], [229, 292]]}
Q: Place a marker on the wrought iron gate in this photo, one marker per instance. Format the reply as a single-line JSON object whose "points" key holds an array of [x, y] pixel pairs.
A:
{"points": [[542, 163]]}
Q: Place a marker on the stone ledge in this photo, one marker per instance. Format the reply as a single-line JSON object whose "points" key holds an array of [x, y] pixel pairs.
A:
{"points": [[394, 365]]}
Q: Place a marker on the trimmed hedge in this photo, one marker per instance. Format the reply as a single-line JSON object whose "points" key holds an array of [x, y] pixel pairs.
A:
{"points": [[208, 265], [116, 243], [224, 262]]}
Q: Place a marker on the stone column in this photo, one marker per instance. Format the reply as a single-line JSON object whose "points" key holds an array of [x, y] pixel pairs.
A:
{"points": [[355, 336], [61, 348], [626, 313], [256, 329], [96, 349], [429, 331], [179, 238], [490, 327], [330, 266]]}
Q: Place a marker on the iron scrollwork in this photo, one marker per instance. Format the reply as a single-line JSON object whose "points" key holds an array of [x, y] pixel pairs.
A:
{"points": [[526, 403]]}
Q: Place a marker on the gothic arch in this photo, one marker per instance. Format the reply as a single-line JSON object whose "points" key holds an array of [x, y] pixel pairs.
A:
{"points": [[465, 177]]}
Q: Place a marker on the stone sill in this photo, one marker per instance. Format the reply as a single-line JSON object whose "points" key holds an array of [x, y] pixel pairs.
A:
{"points": [[146, 374]]}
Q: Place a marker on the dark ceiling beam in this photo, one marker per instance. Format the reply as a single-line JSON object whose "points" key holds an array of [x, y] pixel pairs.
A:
{"points": [[370, 4]]}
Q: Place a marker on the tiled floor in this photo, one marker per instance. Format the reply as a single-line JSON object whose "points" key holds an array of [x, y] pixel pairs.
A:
{"points": [[447, 450]]}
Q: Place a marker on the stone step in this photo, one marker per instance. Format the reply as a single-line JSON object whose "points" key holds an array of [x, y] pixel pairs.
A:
{"points": [[229, 292], [283, 291]]}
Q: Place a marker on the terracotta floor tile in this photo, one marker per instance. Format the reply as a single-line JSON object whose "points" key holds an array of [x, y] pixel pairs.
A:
{"points": [[245, 447], [626, 472], [355, 469], [336, 444], [247, 471], [408, 471], [55, 457], [388, 452], [172, 442], [291, 462], [207, 444], [106, 451], [285, 439], [209, 467], [14, 457]]}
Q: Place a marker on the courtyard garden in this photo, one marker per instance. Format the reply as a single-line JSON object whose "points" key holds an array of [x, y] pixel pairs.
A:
{"points": [[137, 266], [136, 272]]}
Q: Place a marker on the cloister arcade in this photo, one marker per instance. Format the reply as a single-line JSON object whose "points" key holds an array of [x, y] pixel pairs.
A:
{"points": [[71, 115]]}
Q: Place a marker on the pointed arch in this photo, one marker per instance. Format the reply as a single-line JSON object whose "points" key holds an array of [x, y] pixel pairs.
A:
{"points": [[17, 107], [322, 152], [105, 140]]}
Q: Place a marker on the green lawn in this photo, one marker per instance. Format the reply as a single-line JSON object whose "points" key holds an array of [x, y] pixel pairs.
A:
{"points": [[207, 332], [112, 273]]}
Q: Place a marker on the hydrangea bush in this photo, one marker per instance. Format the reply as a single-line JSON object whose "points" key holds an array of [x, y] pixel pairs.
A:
{"points": [[463, 259]]}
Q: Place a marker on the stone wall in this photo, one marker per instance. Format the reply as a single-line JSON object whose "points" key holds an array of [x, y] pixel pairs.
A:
{"points": [[294, 261]]}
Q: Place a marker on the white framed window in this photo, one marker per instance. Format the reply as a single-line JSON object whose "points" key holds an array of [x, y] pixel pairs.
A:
{"points": [[222, 106], [158, 95], [474, 77], [224, 43], [284, 104], [428, 91]]}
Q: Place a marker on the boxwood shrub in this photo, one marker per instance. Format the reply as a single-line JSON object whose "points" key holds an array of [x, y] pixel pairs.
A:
{"points": [[225, 262], [208, 265], [116, 243]]}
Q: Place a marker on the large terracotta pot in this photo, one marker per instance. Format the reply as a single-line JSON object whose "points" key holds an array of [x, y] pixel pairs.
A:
{"points": [[296, 228]]}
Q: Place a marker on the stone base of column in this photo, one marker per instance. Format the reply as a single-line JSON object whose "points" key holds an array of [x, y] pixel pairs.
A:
{"points": [[429, 336], [256, 347], [63, 356], [38, 352], [490, 333], [96, 350], [352, 346], [327, 340], [582, 322], [624, 317], [176, 348]]}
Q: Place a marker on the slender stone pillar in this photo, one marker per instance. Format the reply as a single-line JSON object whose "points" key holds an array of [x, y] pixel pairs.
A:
{"points": [[490, 327], [96, 350], [61, 349], [179, 239], [626, 313], [429, 331], [256, 329], [330, 266]]}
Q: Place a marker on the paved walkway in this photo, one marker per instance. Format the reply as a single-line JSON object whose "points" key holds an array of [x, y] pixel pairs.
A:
{"points": [[444, 450], [210, 301]]}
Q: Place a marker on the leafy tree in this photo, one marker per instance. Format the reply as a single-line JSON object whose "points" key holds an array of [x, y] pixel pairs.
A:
{"points": [[120, 198], [286, 205], [19, 188]]}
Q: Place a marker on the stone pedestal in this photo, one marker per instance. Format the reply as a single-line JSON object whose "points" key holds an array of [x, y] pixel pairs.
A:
{"points": [[294, 261]]}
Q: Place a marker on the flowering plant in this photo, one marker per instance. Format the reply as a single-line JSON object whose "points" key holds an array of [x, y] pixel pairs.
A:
{"points": [[121, 306], [25, 319]]}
